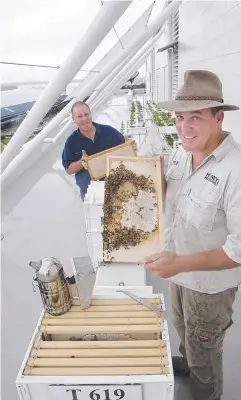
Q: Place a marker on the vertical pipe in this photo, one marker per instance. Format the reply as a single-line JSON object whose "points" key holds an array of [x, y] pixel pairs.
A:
{"points": [[169, 59]]}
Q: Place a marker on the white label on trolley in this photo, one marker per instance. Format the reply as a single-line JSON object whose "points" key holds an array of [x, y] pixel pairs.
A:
{"points": [[86, 392]]}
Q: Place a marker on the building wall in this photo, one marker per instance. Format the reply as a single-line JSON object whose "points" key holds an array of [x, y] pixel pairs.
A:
{"points": [[210, 38]]}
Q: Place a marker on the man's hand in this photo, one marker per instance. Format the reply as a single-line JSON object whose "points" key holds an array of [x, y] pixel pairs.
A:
{"points": [[84, 164], [167, 264], [77, 166], [164, 264]]}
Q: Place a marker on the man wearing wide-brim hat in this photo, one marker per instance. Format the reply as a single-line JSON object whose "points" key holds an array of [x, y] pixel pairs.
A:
{"points": [[202, 254]]}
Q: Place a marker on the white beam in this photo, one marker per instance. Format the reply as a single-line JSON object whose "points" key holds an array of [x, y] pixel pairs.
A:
{"points": [[125, 40], [106, 18], [111, 77], [122, 77], [113, 52], [135, 44], [119, 82]]}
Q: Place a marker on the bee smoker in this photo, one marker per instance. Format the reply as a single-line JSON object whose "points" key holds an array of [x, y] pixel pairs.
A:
{"points": [[53, 286]]}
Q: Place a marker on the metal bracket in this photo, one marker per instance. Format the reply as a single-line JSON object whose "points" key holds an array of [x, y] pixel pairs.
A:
{"points": [[144, 302]]}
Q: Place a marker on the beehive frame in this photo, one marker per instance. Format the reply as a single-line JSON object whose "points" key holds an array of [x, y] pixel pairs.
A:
{"points": [[97, 163], [145, 353], [154, 243], [37, 383]]}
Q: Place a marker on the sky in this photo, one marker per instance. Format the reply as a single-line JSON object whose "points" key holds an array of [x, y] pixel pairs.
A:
{"points": [[44, 32]]}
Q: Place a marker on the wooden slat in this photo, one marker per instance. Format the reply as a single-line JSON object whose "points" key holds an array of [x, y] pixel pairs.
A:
{"points": [[101, 321], [97, 329], [117, 344], [95, 353], [112, 150], [114, 308], [127, 158], [95, 371], [107, 336], [104, 314], [106, 302], [159, 207], [101, 362]]}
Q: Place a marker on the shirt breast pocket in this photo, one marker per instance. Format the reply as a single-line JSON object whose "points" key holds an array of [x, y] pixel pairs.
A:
{"points": [[174, 178], [174, 173], [199, 212]]}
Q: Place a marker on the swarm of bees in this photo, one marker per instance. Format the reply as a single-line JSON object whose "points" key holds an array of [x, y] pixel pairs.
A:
{"points": [[121, 185]]}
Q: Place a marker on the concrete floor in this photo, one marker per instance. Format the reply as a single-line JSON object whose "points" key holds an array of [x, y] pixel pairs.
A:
{"points": [[25, 238]]}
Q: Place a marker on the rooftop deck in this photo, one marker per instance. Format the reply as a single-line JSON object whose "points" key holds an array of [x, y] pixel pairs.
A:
{"points": [[49, 221]]}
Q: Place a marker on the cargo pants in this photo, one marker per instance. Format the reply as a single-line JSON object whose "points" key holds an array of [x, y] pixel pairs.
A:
{"points": [[201, 321]]}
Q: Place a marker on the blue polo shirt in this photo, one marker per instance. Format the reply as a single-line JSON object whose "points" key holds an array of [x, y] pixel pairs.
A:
{"points": [[105, 138]]}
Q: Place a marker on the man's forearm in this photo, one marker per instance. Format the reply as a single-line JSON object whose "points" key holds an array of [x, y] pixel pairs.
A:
{"points": [[213, 260], [74, 167]]}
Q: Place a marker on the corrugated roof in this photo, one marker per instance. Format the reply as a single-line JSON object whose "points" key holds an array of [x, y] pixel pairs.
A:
{"points": [[7, 113], [13, 111]]}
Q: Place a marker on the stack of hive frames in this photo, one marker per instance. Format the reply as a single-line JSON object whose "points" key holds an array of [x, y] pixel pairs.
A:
{"points": [[65, 350]]}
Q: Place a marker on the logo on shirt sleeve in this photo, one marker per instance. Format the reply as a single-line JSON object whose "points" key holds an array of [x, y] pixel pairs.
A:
{"points": [[212, 178]]}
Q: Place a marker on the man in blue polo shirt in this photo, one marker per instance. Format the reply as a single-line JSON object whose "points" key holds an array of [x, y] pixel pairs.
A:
{"points": [[90, 138]]}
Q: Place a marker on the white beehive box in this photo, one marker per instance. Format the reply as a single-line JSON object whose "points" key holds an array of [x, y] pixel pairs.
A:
{"points": [[108, 373], [94, 214], [93, 206], [107, 274], [95, 245], [121, 274]]}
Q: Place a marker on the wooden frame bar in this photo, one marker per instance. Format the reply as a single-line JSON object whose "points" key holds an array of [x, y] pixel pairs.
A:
{"points": [[98, 353], [113, 308], [101, 321], [95, 371], [116, 302], [101, 362], [99, 329], [97, 162], [119, 344], [105, 314]]}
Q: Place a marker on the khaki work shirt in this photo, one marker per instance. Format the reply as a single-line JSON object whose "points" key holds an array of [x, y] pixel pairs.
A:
{"points": [[203, 212]]}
